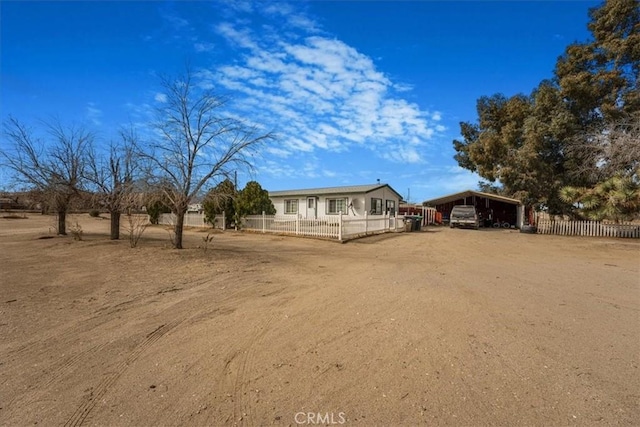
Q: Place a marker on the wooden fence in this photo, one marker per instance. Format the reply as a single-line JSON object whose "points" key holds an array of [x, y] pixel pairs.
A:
{"points": [[589, 228]]}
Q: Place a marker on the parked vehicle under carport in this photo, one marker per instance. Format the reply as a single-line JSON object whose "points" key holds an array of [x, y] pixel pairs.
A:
{"points": [[464, 216]]}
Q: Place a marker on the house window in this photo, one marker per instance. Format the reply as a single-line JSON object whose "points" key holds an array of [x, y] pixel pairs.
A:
{"points": [[376, 207], [335, 206], [391, 207], [291, 206], [311, 203]]}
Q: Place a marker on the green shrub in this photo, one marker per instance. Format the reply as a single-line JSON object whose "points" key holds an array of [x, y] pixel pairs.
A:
{"points": [[154, 209], [218, 200], [94, 213]]}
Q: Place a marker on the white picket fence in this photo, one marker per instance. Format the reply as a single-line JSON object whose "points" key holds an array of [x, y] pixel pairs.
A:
{"points": [[192, 219], [588, 228], [338, 227], [429, 216]]}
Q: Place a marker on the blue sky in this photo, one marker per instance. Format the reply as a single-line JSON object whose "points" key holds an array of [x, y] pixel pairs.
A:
{"points": [[357, 91]]}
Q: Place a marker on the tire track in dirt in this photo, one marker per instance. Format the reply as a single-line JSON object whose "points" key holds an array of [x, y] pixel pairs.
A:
{"points": [[82, 412], [67, 366], [100, 316], [241, 387], [68, 333], [53, 374], [239, 364]]}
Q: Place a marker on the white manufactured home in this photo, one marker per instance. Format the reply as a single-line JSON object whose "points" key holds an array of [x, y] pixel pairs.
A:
{"points": [[354, 201]]}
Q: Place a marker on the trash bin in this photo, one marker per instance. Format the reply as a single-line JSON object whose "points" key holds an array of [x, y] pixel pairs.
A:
{"points": [[417, 223], [408, 224]]}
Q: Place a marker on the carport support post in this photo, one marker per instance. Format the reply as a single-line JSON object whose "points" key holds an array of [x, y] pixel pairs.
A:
{"points": [[340, 226], [264, 222]]}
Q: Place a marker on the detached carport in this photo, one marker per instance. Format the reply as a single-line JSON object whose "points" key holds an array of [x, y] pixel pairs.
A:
{"points": [[492, 208]]}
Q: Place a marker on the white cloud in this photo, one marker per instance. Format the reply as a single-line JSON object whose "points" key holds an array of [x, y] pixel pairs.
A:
{"points": [[160, 97], [317, 92], [245, 6], [94, 114], [450, 180], [176, 22], [203, 47], [279, 170], [279, 152], [403, 154], [402, 87], [240, 37], [293, 18]]}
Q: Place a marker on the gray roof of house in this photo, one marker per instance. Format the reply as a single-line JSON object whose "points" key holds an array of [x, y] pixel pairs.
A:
{"points": [[463, 194], [350, 189]]}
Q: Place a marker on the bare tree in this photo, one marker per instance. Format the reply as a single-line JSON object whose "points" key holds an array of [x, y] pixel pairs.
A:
{"points": [[197, 143], [55, 167], [114, 176], [600, 155]]}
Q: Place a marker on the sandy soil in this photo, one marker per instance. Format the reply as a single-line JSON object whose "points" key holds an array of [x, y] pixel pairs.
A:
{"points": [[441, 327]]}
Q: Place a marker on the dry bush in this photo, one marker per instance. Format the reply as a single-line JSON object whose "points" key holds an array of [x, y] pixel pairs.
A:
{"points": [[135, 226], [206, 240], [76, 230]]}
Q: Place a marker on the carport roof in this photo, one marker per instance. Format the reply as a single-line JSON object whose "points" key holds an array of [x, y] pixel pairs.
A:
{"points": [[463, 194]]}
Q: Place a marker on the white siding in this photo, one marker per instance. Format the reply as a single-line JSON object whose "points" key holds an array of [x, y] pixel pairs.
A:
{"points": [[278, 203], [384, 194], [357, 203]]}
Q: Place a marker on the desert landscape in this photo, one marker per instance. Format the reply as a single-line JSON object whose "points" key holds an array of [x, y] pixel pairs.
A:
{"points": [[439, 327]]}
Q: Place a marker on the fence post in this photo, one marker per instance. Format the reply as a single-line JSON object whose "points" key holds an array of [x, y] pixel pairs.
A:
{"points": [[264, 222], [366, 222], [395, 222], [340, 226], [224, 221], [297, 224]]}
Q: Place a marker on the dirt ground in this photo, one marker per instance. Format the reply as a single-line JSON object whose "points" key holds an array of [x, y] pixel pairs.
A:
{"points": [[441, 327]]}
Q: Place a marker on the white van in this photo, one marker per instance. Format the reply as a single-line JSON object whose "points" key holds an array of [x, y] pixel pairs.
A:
{"points": [[464, 216]]}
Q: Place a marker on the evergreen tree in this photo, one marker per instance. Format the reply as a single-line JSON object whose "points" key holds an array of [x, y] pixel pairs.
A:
{"points": [[220, 199], [599, 78], [617, 198], [533, 146], [253, 200]]}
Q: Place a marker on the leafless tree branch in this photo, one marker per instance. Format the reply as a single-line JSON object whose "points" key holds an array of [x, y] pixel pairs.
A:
{"points": [[197, 142], [115, 175], [602, 154], [55, 167]]}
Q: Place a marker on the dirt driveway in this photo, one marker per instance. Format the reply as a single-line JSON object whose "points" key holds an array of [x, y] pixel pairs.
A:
{"points": [[442, 327]]}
